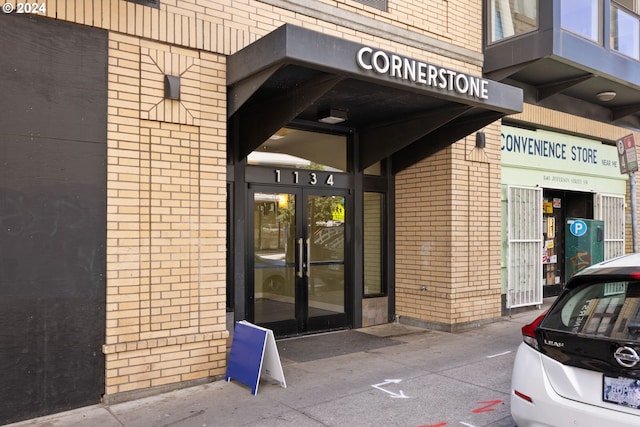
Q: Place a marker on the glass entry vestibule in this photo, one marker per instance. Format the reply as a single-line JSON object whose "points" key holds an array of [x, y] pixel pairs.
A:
{"points": [[299, 259]]}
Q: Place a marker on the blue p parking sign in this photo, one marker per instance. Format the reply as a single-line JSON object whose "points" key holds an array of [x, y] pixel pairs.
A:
{"points": [[578, 228]]}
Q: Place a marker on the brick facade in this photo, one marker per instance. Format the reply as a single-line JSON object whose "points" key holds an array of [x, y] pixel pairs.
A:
{"points": [[448, 224], [166, 209], [166, 217]]}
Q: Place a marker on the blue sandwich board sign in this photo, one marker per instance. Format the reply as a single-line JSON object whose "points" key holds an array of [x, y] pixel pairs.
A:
{"points": [[254, 352]]}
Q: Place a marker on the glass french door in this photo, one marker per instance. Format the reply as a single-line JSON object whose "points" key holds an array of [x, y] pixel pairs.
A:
{"points": [[298, 259]]}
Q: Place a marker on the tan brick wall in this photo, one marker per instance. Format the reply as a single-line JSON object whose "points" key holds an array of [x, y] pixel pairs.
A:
{"points": [[444, 32], [448, 224], [166, 320]]}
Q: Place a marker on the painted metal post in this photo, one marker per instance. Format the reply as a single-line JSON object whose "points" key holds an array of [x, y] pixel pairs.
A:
{"points": [[634, 219]]}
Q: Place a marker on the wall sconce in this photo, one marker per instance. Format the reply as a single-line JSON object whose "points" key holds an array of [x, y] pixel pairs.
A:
{"points": [[481, 140], [606, 96], [172, 87], [332, 116]]}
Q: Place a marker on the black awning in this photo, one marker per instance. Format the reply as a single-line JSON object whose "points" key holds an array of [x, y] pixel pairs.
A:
{"points": [[402, 108]]}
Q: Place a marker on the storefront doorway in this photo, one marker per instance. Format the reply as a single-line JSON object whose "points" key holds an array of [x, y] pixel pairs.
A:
{"points": [[298, 259], [550, 179], [558, 205]]}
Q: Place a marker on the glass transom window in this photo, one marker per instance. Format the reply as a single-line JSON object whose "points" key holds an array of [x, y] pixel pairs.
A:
{"points": [[302, 149]]}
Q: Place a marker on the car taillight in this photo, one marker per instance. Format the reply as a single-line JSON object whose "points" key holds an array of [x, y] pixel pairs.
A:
{"points": [[529, 332]]}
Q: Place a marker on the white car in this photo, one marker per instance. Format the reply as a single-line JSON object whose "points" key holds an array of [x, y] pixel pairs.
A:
{"points": [[579, 363]]}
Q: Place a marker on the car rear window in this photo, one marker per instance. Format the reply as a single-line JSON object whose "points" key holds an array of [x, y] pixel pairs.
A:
{"points": [[605, 309]]}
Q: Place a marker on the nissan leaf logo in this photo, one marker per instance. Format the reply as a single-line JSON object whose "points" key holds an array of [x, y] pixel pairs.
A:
{"points": [[627, 357]]}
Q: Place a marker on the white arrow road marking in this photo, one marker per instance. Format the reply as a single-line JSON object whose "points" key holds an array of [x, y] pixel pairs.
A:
{"points": [[400, 395]]}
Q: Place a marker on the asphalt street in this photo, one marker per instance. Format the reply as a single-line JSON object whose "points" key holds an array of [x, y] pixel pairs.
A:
{"points": [[388, 375]]}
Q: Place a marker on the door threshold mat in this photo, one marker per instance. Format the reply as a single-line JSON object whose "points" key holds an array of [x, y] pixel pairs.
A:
{"points": [[331, 344]]}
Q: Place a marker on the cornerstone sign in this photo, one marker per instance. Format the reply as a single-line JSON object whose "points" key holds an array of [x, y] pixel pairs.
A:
{"points": [[422, 73]]}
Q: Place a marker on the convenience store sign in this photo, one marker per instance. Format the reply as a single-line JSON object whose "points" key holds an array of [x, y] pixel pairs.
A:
{"points": [[543, 150]]}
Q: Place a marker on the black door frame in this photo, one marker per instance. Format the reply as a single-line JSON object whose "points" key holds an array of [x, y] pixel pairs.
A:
{"points": [[302, 323], [240, 176]]}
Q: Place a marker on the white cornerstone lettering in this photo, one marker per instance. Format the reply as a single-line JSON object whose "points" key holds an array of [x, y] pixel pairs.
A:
{"points": [[422, 73], [462, 83], [396, 66], [384, 68], [409, 70], [360, 58]]}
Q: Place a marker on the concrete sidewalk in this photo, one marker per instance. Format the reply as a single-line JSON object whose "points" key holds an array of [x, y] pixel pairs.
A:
{"points": [[388, 375]]}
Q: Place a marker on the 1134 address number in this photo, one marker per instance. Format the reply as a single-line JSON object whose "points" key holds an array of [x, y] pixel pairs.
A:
{"points": [[313, 178]]}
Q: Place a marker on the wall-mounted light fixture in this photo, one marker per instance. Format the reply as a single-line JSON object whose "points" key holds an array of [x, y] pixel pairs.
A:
{"points": [[172, 87], [606, 96], [332, 116], [481, 140]]}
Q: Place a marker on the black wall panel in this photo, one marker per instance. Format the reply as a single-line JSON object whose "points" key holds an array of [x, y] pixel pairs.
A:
{"points": [[53, 106]]}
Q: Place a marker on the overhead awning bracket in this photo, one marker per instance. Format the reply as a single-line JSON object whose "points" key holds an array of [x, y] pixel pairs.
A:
{"points": [[240, 93], [547, 90], [441, 138], [262, 119], [620, 112], [379, 142]]}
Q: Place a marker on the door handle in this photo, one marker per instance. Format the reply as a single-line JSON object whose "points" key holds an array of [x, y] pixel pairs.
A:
{"points": [[308, 258], [300, 254]]}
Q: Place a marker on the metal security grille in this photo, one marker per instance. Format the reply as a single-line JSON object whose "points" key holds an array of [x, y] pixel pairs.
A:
{"points": [[610, 209], [524, 255]]}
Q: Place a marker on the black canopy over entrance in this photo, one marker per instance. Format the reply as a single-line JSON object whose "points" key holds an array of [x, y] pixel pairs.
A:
{"points": [[294, 73]]}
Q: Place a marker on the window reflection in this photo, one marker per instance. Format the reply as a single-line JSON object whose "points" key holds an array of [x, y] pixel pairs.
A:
{"points": [[625, 32], [373, 244], [326, 254], [512, 17], [274, 260], [581, 17], [632, 5], [609, 309], [374, 169], [302, 149]]}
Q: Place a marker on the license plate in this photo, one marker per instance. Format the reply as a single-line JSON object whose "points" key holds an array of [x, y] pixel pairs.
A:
{"points": [[621, 391]]}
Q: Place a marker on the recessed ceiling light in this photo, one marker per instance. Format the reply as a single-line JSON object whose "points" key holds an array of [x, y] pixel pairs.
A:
{"points": [[333, 116]]}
